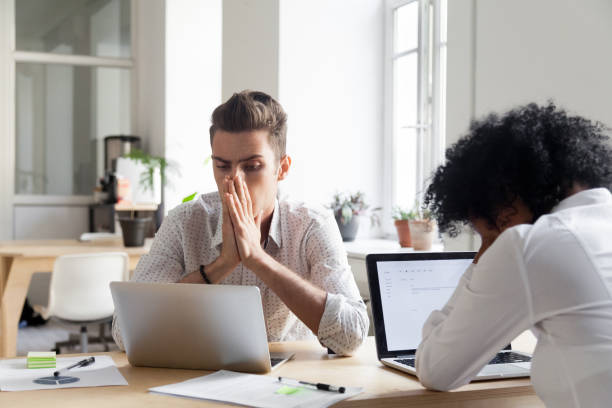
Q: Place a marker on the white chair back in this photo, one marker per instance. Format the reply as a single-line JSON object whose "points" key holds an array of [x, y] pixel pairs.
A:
{"points": [[79, 289]]}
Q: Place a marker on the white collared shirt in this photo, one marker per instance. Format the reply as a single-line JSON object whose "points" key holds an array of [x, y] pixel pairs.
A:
{"points": [[553, 277], [303, 238]]}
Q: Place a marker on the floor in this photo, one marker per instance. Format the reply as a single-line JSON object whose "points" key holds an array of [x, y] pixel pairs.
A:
{"points": [[43, 338]]}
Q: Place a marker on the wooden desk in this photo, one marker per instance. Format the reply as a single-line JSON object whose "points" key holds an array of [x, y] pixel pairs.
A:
{"points": [[18, 262], [383, 387]]}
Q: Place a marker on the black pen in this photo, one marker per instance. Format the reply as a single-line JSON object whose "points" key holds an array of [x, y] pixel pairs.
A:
{"points": [[81, 363], [318, 386]]}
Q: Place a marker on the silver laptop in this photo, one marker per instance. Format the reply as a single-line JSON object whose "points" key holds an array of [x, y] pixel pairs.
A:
{"points": [[405, 288], [208, 327]]}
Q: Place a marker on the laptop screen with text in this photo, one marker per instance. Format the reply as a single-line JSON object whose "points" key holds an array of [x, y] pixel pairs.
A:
{"points": [[410, 290]]}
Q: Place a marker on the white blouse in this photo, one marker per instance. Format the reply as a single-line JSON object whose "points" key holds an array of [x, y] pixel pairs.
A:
{"points": [[553, 277]]}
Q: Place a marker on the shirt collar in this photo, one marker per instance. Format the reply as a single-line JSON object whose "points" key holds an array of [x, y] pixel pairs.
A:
{"points": [[274, 233], [585, 197], [275, 225]]}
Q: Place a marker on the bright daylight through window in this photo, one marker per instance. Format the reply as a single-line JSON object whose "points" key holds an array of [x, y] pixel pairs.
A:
{"points": [[415, 95]]}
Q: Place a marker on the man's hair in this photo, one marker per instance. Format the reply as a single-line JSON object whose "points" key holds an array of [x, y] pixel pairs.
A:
{"points": [[535, 153], [252, 110]]}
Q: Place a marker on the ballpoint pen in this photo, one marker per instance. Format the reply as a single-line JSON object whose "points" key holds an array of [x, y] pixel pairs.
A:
{"points": [[81, 363], [318, 386]]}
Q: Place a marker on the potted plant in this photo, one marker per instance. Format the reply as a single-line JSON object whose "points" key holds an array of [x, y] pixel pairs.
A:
{"points": [[134, 229], [415, 228], [347, 207], [402, 225]]}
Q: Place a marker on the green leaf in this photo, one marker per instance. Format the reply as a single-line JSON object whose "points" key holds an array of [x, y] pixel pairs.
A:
{"points": [[190, 197]]}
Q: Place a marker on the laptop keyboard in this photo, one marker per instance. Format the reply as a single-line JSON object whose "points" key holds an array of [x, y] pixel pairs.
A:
{"points": [[406, 361], [509, 357], [275, 361], [500, 358]]}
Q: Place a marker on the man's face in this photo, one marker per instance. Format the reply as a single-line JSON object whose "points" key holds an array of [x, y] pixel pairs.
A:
{"points": [[249, 155]]}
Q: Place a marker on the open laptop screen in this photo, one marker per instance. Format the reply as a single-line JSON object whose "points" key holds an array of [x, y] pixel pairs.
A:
{"points": [[406, 288]]}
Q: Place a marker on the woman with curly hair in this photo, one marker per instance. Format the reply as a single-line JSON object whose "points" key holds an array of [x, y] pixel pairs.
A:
{"points": [[533, 184]]}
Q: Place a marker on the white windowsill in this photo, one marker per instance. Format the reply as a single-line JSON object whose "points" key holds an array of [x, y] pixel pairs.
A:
{"points": [[361, 247]]}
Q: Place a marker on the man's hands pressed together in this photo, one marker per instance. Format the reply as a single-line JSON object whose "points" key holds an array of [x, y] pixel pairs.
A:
{"points": [[246, 225], [242, 238], [230, 257], [229, 250]]}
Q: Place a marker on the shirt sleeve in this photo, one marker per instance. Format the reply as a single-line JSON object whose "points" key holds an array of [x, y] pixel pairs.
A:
{"points": [[344, 324], [163, 264], [489, 308]]}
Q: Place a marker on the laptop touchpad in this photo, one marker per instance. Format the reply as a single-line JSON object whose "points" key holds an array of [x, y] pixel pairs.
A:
{"points": [[501, 369]]}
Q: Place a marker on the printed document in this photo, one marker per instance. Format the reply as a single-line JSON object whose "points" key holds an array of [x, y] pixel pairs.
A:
{"points": [[253, 390], [14, 376]]}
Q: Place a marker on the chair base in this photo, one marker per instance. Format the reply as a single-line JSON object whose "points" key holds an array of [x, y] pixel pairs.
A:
{"points": [[83, 340]]}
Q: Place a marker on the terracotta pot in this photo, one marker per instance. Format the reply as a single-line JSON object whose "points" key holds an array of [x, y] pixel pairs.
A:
{"points": [[403, 233], [422, 233]]}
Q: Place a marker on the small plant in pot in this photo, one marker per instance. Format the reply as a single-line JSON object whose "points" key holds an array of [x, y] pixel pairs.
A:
{"points": [[134, 228], [402, 225], [347, 208], [415, 228]]}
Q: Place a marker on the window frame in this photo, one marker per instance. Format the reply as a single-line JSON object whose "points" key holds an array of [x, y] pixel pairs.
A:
{"points": [[430, 119], [9, 58]]}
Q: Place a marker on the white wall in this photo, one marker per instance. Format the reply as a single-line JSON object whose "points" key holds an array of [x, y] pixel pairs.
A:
{"points": [[50, 221], [149, 52], [504, 53], [535, 50], [250, 46], [459, 88], [193, 90], [331, 85]]}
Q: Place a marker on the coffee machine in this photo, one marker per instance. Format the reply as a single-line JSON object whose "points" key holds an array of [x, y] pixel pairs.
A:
{"points": [[102, 213], [116, 146]]}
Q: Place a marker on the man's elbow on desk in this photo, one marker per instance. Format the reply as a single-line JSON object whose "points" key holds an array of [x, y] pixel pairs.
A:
{"points": [[345, 339], [344, 348]]}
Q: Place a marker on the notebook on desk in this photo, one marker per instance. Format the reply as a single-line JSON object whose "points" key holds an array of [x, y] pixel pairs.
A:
{"points": [[207, 327], [405, 288]]}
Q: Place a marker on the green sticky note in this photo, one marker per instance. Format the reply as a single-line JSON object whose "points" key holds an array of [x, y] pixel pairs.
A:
{"points": [[287, 390], [41, 359], [41, 355]]}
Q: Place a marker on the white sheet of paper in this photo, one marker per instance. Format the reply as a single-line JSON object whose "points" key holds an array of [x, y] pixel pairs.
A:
{"points": [[14, 376], [251, 390]]}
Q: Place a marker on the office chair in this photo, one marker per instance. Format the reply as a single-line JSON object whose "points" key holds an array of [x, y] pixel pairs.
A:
{"points": [[79, 292]]}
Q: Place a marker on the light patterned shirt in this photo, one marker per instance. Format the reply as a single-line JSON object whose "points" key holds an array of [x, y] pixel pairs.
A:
{"points": [[303, 238]]}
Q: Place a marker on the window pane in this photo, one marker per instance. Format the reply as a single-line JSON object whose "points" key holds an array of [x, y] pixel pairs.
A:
{"points": [[407, 27], [405, 171], [62, 115], [443, 17], [442, 96], [81, 27], [406, 90]]}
